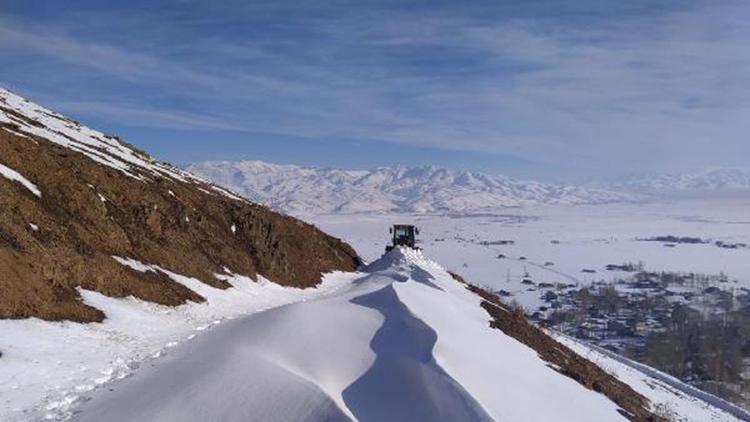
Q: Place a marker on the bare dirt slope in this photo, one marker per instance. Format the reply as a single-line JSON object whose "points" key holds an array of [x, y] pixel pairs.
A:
{"points": [[100, 198]]}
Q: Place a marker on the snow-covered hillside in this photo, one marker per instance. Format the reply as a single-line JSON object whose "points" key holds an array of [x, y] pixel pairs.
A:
{"points": [[71, 197], [715, 181], [401, 340], [46, 368], [428, 189]]}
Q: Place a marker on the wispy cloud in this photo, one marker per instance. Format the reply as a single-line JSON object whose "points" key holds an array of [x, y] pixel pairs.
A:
{"points": [[614, 93]]}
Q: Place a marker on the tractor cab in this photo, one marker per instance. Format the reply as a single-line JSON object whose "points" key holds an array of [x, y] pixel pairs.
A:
{"points": [[403, 235]]}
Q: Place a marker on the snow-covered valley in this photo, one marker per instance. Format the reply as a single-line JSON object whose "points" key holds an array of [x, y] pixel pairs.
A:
{"points": [[569, 239], [389, 331]]}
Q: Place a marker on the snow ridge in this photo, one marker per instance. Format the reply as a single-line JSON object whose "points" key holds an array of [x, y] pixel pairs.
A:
{"points": [[398, 352], [429, 189]]}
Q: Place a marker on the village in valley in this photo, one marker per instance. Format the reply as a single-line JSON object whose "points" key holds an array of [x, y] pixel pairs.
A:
{"points": [[691, 325]]}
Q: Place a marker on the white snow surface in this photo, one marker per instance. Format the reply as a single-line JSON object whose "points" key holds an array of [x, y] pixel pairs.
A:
{"points": [[506, 377], [305, 190], [400, 340], [48, 367], [15, 176], [588, 237]]}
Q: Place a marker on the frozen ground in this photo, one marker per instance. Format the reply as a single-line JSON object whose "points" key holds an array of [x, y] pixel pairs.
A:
{"points": [[568, 239], [400, 342]]}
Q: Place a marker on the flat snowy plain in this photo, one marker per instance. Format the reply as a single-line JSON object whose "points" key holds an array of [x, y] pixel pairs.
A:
{"points": [[568, 239]]}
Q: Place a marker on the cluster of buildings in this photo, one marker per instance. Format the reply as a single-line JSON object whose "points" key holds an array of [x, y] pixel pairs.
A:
{"points": [[621, 315]]}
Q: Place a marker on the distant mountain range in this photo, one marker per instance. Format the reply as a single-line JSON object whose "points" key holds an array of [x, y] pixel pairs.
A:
{"points": [[431, 189], [426, 189], [715, 181]]}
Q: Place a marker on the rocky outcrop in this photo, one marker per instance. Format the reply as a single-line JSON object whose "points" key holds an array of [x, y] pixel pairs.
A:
{"points": [[99, 198]]}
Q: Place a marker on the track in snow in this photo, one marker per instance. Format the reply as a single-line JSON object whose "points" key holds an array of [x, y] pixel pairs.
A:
{"points": [[409, 384]]}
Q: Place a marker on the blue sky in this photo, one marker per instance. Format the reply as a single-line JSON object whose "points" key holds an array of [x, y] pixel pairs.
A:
{"points": [[545, 89]]}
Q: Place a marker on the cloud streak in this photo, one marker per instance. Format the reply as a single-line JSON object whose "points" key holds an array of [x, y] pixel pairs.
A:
{"points": [[647, 91]]}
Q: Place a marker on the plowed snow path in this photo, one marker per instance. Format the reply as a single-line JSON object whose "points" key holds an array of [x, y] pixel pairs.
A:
{"points": [[403, 342]]}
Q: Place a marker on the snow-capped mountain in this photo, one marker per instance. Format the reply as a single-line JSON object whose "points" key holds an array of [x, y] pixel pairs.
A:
{"points": [[426, 189], [714, 181]]}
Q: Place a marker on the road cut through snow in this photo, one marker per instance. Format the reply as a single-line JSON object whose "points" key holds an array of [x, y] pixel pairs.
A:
{"points": [[402, 342]]}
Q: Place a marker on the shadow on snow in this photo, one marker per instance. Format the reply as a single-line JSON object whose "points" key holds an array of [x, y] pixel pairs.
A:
{"points": [[405, 383]]}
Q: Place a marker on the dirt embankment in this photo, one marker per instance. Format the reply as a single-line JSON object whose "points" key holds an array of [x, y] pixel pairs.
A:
{"points": [[88, 213], [633, 405]]}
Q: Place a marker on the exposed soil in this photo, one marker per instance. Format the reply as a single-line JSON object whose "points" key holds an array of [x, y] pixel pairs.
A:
{"points": [[633, 405], [89, 212]]}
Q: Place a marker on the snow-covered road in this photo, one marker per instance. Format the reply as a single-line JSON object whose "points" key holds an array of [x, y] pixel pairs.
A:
{"points": [[283, 364], [402, 342]]}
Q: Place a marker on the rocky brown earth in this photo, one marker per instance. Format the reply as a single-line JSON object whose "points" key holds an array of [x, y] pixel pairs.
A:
{"points": [[89, 213]]}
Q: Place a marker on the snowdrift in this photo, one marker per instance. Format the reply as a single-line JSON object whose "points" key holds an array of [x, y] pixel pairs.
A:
{"points": [[400, 340]]}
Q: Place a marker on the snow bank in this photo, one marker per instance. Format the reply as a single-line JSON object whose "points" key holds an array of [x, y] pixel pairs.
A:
{"points": [[492, 357], [15, 176], [47, 367], [289, 363], [506, 377], [401, 342]]}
